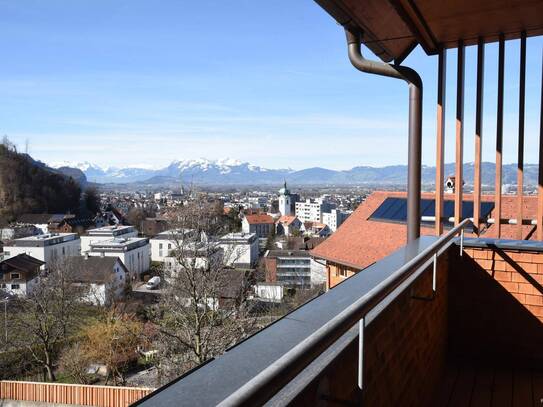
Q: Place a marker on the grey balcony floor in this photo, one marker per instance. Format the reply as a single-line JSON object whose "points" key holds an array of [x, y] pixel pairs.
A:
{"points": [[481, 384]]}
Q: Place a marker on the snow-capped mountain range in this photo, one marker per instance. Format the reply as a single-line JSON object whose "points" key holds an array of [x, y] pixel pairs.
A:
{"points": [[200, 171], [235, 172]]}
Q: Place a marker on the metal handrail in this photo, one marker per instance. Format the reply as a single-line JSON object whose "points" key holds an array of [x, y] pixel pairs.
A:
{"points": [[269, 381]]}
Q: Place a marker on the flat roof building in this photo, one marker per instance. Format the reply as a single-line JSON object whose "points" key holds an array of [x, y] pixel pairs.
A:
{"points": [[47, 247], [134, 252], [106, 233]]}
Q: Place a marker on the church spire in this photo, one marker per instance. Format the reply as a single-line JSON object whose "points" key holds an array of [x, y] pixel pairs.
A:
{"points": [[284, 190]]}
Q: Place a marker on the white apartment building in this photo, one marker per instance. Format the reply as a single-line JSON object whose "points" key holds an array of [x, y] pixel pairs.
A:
{"points": [[294, 268], [161, 246], [47, 248], [106, 233], [163, 243], [334, 218], [240, 249], [134, 252], [311, 210]]}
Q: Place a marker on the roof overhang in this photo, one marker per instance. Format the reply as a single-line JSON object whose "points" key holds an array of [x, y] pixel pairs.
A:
{"points": [[393, 28]]}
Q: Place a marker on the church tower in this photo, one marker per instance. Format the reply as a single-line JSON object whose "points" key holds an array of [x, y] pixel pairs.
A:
{"points": [[285, 201]]}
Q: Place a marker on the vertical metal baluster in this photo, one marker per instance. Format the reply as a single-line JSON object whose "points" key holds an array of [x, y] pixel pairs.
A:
{"points": [[459, 156], [440, 142], [360, 352], [478, 135], [499, 138], [434, 275], [521, 121]]}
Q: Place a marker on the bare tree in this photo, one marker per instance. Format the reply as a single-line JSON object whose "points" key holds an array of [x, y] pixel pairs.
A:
{"points": [[74, 362], [47, 316], [203, 309]]}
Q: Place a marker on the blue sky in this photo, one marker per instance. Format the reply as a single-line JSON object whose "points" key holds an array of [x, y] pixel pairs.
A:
{"points": [[147, 82]]}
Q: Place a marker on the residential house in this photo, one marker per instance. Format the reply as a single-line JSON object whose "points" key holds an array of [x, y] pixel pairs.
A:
{"points": [[75, 225], [45, 222], [239, 249], [316, 229], [19, 274], [289, 226], [18, 230], [105, 278], [113, 216]]}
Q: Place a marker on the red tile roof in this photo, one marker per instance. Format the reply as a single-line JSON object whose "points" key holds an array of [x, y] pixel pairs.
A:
{"points": [[287, 219], [359, 242], [258, 219]]}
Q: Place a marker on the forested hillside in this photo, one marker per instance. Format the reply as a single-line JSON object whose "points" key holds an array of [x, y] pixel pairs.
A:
{"points": [[27, 187]]}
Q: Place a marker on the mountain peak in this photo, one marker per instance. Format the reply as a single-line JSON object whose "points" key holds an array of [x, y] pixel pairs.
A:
{"points": [[227, 171]]}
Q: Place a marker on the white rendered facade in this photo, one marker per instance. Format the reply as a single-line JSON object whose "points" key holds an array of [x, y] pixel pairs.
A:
{"points": [[134, 252], [311, 210], [161, 246], [163, 243], [334, 218], [20, 288], [110, 289], [240, 249], [47, 248]]}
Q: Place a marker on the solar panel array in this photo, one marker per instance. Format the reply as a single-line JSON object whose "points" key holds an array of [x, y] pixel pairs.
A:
{"points": [[395, 210]]}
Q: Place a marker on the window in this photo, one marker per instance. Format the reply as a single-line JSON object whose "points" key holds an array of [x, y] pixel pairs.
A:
{"points": [[343, 272], [160, 245], [3, 285], [15, 276], [64, 251], [15, 286]]}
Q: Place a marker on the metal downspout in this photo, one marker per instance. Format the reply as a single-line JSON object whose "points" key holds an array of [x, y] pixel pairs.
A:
{"points": [[415, 123]]}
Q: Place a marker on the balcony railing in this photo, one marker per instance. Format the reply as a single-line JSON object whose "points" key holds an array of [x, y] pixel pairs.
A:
{"points": [[282, 353]]}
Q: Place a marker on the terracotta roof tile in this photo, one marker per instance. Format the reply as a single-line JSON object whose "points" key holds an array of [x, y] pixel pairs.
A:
{"points": [[359, 242], [286, 219], [259, 219]]}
